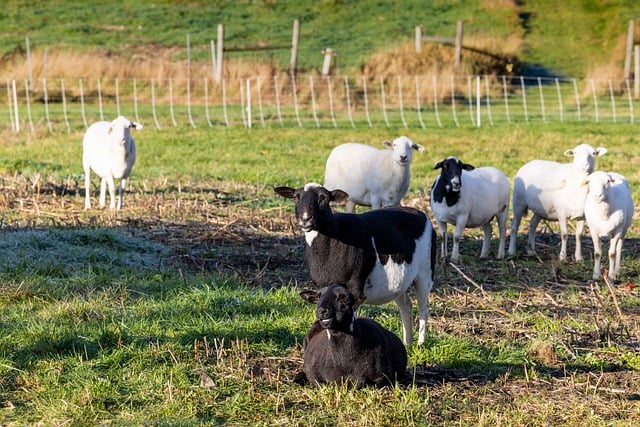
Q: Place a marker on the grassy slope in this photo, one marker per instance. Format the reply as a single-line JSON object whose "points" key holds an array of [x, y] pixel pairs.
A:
{"points": [[354, 29]]}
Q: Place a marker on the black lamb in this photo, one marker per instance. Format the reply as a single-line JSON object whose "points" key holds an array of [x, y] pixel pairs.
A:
{"points": [[341, 348]]}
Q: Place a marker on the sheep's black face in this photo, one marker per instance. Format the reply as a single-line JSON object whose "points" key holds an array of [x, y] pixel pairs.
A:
{"points": [[313, 210], [335, 308], [452, 173]]}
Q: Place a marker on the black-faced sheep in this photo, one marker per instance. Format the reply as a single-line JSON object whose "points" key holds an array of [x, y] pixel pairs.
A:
{"points": [[554, 192], [341, 348], [110, 151], [377, 255], [370, 176], [468, 197]]}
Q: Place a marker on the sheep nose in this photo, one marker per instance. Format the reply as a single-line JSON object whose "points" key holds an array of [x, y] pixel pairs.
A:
{"points": [[323, 313], [403, 159]]}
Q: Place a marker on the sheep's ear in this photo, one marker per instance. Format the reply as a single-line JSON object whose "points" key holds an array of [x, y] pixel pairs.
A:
{"points": [[110, 130], [338, 196], [136, 125], [468, 167], [310, 296], [570, 153], [419, 148], [600, 151], [286, 192], [387, 143], [439, 165]]}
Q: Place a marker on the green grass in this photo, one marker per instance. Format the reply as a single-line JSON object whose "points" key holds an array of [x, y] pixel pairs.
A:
{"points": [[568, 39], [183, 308]]}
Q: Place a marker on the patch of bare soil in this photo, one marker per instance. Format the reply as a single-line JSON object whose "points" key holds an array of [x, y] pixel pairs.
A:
{"points": [[563, 316]]}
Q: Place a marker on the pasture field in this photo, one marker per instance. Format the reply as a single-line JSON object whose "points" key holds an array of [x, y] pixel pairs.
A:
{"points": [[183, 308]]}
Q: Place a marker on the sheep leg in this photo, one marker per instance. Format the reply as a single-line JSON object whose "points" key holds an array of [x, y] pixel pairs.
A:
{"points": [[112, 192], [442, 228], [564, 237], [404, 305], [597, 255], [502, 232], [349, 207], [87, 189], [531, 241], [515, 224], [457, 235], [103, 192], [486, 240], [121, 187], [423, 285], [615, 255], [579, 232]]}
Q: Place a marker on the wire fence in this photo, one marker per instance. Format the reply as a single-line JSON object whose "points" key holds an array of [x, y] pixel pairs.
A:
{"points": [[66, 105]]}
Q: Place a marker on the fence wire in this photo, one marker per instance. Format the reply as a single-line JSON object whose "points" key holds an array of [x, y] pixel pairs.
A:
{"points": [[66, 105]]}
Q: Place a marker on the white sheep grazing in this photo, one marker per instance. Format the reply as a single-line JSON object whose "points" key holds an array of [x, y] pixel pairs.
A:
{"points": [[468, 197], [370, 176], [109, 150], [554, 192], [609, 212]]}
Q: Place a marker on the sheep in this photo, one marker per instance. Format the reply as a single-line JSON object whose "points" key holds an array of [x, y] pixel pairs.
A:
{"points": [[377, 254], [372, 177], [341, 348], [608, 211], [468, 197], [109, 150], [554, 192]]}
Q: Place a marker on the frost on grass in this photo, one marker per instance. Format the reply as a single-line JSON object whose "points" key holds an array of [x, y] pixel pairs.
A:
{"points": [[69, 251]]}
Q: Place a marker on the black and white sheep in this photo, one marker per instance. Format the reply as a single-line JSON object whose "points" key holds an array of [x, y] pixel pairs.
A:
{"points": [[470, 197], [376, 255], [341, 348], [110, 151], [608, 211], [370, 176], [554, 192]]}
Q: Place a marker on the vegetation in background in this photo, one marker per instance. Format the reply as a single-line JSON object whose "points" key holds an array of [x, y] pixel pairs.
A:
{"points": [[570, 39]]}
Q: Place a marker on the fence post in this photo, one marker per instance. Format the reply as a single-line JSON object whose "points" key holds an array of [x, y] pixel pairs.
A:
{"points": [[418, 38], [478, 102], [218, 71], [326, 64], [28, 99], [15, 105], [295, 40], [636, 73], [30, 68], [458, 51], [629, 50]]}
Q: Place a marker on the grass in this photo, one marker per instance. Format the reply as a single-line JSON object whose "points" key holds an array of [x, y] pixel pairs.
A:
{"points": [[357, 31], [183, 307]]}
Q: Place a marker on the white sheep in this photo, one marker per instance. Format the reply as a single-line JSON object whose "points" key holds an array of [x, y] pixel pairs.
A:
{"points": [[468, 197], [109, 150], [608, 211], [554, 192], [370, 176]]}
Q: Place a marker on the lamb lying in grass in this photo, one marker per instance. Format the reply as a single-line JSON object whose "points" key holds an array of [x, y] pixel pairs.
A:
{"points": [[341, 348]]}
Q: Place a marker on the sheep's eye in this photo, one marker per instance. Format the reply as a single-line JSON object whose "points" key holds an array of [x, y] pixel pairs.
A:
{"points": [[322, 198], [296, 197]]}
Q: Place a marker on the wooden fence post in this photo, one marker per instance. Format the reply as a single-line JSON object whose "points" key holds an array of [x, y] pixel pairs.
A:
{"points": [[418, 38], [295, 39], [629, 51], [326, 64], [458, 51], [218, 72]]}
